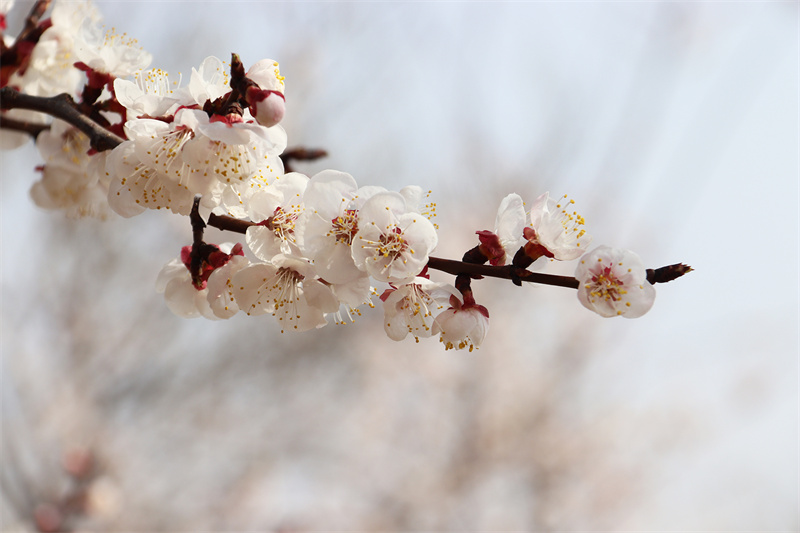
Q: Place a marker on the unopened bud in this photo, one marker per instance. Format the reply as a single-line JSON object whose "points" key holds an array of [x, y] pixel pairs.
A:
{"points": [[267, 107]]}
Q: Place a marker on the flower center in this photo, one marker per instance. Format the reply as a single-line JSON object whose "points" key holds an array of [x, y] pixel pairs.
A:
{"points": [[392, 244], [282, 223], [345, 226], [605, 284]]}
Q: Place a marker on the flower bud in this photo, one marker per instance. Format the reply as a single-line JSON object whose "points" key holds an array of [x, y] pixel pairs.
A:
{"points": [[266, 106]]}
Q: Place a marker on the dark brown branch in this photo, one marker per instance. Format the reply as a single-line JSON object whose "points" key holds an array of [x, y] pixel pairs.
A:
{"points": [[300, 154], [32, 20], [226, 223], [63, 107], [456, 268], [504, 272], [23, 126]]}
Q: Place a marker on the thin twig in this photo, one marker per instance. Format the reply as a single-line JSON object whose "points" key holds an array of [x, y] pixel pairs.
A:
{"points": [[32, 20], [23, 126]]}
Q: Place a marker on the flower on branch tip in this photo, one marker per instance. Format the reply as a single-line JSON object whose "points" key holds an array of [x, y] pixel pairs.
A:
{"points": [[463, 325], [613, 282], [555, 230]]}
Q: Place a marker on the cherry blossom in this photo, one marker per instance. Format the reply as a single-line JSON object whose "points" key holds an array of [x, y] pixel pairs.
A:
{"points": [[213, 149], [220, 287], [266, 100], [72, 180], [277, 208], [411, 308], [330, 223], [613, 282], [392, 244], [151, 93], [147, 171], [463, 325], [190, 298], [209, 82], [109, 52], [287, 288], [555, 230], [497, 246]]}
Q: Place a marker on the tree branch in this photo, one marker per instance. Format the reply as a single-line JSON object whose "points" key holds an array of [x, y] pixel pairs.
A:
{"points": [[63, 107], [455, 268], [23, 126]]}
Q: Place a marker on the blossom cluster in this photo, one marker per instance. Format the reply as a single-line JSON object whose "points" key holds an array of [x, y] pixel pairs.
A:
{"points": [[316, 248]]}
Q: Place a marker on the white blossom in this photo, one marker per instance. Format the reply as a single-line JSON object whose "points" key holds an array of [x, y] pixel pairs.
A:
{"points": [[330, 223], [72, 179], [287, 288], [499, 246], [613, 282], [267, 102], [392, 244], [277, 208], [108, 51], [463, 325], [556, 229], [412, 307], [151, 93], [191, 298]]}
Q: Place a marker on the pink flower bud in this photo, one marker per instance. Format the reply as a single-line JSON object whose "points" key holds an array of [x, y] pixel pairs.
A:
{"points": [[267, 107]]}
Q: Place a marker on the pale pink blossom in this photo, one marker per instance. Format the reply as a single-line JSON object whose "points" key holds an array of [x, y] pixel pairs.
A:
{"points": [[266, 100], [277, 208], [411, 308], [463, 325], [613, 282]]}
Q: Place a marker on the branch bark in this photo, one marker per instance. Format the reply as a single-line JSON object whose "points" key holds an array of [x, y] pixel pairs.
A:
{"points": [[63, 107]]}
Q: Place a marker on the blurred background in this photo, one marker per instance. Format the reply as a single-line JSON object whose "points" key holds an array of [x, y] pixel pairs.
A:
{"points": [[668, 122]]}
